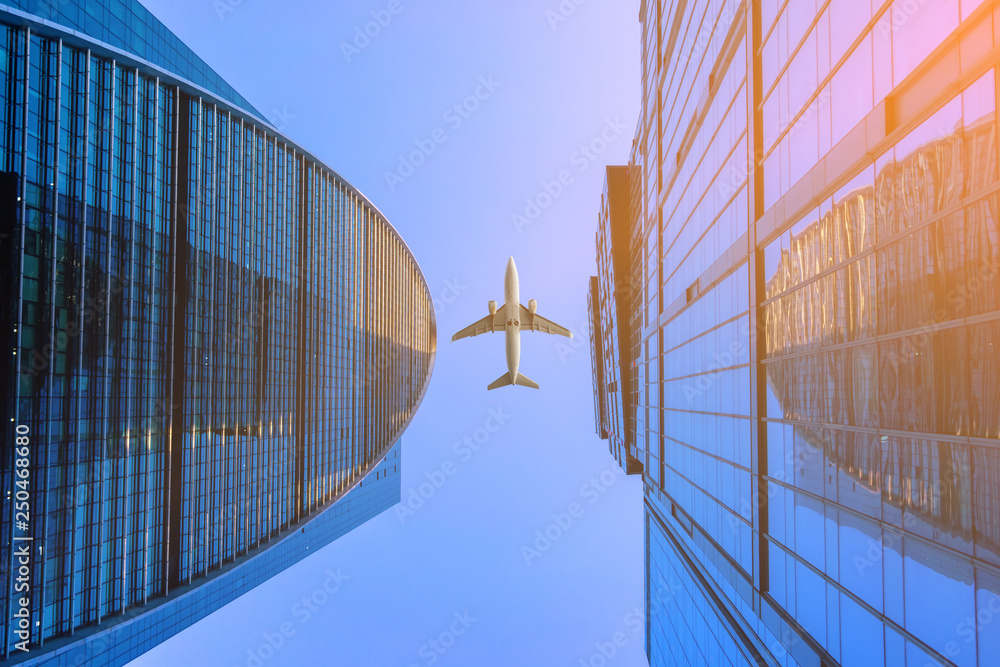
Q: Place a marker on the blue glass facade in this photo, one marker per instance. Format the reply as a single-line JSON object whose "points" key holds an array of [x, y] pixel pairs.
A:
{"points": [[213, 337], [122, 638], [126, 27], [815, 245]]}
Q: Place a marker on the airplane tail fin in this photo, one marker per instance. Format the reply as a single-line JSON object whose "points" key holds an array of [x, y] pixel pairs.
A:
{"points": [[501, 381], [525, 381], [504, 380]]}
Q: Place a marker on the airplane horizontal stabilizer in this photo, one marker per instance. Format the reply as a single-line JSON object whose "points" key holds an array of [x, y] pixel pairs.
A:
{"points": [[525, 381], [504, 380], [501, 381]]}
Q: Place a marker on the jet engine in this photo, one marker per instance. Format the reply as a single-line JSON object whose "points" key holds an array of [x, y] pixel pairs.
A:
{"points": [[532, 306], [493, 307]]}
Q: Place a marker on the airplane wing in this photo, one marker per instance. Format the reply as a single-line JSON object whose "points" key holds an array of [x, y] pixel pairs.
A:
{"points": [[538, 323], [486, 325]]}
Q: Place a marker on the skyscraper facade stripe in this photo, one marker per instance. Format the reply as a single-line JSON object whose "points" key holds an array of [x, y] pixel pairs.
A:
{"points": [[597, 359], [814, 304], [213, 337], [610, 304]]}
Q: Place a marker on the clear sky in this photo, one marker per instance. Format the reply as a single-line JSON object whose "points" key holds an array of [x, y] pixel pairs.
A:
{"points": [[558, 91]]}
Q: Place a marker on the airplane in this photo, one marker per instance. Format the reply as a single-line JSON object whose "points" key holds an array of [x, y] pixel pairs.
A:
{"points": [[512, 318]]}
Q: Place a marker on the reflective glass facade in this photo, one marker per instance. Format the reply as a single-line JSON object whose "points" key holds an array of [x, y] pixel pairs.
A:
{"points": [[597, 360], [611, 336], [815, 303], [211, 337], [117, 27], [123, 637]]}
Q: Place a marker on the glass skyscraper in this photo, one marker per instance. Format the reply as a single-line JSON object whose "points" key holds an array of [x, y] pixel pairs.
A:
{"points": [[212, 342], [609, 301], [812, 334]]}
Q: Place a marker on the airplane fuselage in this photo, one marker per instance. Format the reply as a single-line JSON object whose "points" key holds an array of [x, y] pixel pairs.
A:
{"points": [[512, 304]]}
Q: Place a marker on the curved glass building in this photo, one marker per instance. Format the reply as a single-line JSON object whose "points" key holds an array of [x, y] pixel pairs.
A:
{"points": [[212, 342]]}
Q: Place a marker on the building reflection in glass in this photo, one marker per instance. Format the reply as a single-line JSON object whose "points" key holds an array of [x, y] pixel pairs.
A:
{"points": [[883, 376], [815, 336]]}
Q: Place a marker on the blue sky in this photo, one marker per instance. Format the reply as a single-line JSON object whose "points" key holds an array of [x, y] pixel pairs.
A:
{"points": [[546, 98]]}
